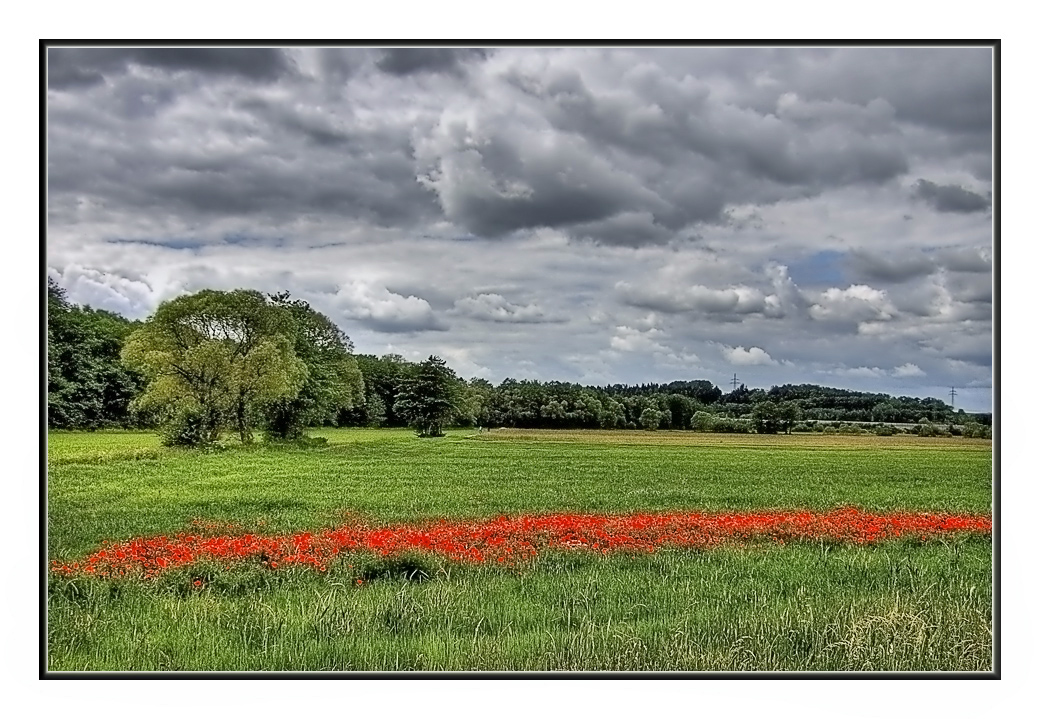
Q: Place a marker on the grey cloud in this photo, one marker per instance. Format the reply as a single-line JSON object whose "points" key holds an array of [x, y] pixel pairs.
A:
{"points": [[84, 67], [965, 260], [872, 267], [949, 198], [492, 307], [252, 63], [413, 60], [546, 184], [971, 288], [632, 229], [732, 300]]}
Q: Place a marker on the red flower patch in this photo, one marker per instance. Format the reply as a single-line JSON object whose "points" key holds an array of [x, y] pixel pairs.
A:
{"points": [[515, 539]]}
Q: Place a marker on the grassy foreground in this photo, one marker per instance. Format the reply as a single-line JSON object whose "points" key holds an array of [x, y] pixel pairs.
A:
{"points": [[899, 606]]}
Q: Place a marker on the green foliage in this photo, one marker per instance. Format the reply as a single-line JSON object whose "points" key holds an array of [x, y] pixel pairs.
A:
{"points": [[766, 417], [650, 418], [87, 384], [431, 399], [977, 431], [222, 356], [383, 378], [188, 427], [333, 382]]}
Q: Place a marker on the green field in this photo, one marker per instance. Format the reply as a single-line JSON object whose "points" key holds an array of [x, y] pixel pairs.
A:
{"points": [[897, 606]]}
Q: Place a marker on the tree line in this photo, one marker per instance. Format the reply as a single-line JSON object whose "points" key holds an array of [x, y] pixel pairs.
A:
{"points": [[239, 362]]}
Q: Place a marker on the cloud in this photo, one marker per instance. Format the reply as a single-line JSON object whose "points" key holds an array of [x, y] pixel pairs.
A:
{"points": [[950, 198], [862, 372], [662, 202], [735, 300], [856, 303], [873, 267], [966, 259], [747, 357], [908, 370], [384, 311], [70, 68], [495, 308], [413, 60], [629, 339]]}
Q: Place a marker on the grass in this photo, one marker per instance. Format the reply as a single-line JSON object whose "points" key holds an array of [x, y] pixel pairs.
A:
{"points": [[900, 606]]}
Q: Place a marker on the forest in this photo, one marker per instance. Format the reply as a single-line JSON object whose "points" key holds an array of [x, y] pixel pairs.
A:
{"points": [[239, 362]]}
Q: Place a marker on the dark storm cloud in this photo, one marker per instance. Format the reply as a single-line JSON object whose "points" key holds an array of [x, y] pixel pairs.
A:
{"points": [[950, 198], [413, 60], [562, 143], [73, 67], [252, 63]]}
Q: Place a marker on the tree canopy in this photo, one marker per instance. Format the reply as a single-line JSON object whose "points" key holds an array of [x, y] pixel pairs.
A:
{"points": [[431, 398], [334, 382], [87, 385], [216, 359]]}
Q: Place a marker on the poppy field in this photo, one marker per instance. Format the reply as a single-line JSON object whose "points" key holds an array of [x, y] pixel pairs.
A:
{"points": [[521, 551]]}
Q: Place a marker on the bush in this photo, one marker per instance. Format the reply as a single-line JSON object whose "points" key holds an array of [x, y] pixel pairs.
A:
{"points": [[884, 430], [977, 431], [728, 425], [187, 429]]}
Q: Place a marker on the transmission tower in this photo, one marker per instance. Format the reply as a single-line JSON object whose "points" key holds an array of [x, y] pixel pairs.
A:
{"points": [[953, 393], [735, 380]]}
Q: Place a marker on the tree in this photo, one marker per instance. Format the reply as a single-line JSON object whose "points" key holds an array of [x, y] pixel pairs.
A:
{"points": [[333, 383], [702, 421], [214, 359], [429, 400], [789, 414], [766, 417], [88, 386], [650, 418]]}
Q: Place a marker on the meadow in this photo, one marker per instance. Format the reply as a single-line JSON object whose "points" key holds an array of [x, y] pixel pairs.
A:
{"points": [[899, 605]]}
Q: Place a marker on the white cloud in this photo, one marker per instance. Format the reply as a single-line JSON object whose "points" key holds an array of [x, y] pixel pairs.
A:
{"points": [[747, 357], [857, 303], [495, 308], [629, 339], [908, 370], [386, 311]]}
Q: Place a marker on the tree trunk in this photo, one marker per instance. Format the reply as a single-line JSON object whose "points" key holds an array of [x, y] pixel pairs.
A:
{"points": [[243, 429]]}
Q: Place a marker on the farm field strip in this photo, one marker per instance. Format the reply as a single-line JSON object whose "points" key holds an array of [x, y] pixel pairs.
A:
{"points": [[516, 539]]}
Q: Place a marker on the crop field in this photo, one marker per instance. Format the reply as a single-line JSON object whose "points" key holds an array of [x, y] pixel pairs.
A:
{"points": [[521, 550]]}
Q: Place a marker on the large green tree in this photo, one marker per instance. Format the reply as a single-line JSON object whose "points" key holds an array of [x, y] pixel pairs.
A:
{"points": [[430, 399], [87, 385], [333, 383], [215, 359]]}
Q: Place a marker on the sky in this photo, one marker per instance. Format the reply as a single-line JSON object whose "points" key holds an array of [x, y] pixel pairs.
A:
{"points": [[595, 215]]}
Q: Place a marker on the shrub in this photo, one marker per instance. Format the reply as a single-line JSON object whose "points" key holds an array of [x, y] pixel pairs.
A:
{"points": [[978, 431], [884, 430], [188, 428], [728, 425]]}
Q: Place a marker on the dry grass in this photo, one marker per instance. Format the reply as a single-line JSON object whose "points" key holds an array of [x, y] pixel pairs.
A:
{"points": [[813, 440]]}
